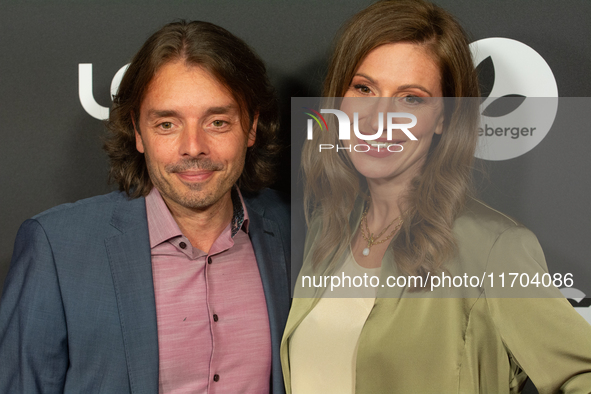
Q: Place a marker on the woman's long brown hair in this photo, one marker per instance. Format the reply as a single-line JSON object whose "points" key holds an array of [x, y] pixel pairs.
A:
{"points": [[439, 193]]}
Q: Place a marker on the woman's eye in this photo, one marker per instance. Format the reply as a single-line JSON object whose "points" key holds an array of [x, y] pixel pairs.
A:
{"points": [[413, 100], [363, 89]]}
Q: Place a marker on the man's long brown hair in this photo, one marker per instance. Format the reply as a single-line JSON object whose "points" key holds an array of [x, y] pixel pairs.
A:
{"points": [[231, 62]]}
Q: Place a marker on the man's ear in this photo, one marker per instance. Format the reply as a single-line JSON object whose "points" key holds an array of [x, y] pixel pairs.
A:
{"points": [[252, 134], [139, 144]]}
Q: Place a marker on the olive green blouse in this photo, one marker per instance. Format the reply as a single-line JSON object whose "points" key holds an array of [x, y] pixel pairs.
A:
{"points": [[487, 339]]}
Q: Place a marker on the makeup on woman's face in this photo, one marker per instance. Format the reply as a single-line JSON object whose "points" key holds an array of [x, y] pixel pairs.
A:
{"points": [[403, 78]]}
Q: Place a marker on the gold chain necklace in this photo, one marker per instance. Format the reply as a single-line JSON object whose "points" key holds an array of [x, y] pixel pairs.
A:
{"points": [[372, 239]]}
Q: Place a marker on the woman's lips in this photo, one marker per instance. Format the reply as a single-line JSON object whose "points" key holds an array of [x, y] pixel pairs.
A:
{"points": [[380, 147], [381, 142]]}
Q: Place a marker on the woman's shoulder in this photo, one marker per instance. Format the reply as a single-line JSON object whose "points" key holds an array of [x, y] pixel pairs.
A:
{"points": [[481, 219], [492, 240]]}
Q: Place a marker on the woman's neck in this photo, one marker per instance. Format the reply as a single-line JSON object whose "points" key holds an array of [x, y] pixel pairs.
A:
{"points": [[386, 202]]}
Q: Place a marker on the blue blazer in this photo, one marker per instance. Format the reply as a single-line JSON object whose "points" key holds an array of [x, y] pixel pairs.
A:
{"points": [[78, 312]]}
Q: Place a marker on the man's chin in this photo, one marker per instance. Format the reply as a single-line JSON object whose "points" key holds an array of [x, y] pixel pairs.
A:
{"points": [[194, 195], [201, 199]]}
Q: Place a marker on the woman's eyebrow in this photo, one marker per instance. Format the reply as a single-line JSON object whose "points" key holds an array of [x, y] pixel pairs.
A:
{"points": [[414, 86], [365, 76], [401, 87]]}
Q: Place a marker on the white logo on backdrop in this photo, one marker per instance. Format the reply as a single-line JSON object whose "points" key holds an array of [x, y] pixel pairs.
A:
{"points": [[511, 73], [86, 93], [577, 295]]}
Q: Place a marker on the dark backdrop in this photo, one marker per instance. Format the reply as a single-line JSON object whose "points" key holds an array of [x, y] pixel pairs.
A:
{"points": [[51, 150]]}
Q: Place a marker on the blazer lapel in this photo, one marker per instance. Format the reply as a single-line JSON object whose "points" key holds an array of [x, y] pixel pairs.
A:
{"points": [[270, 253], [300, 308], [131, 267]]}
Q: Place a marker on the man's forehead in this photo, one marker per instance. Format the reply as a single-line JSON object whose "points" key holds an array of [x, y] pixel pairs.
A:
{"points": [[231, 109], [179, 83]]}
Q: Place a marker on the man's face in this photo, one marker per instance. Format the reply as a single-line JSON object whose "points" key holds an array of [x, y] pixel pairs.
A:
{"points": [[191, 134]]}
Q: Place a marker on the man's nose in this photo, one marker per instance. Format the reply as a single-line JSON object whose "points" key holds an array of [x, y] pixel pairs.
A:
{"points": [[194, 141]]}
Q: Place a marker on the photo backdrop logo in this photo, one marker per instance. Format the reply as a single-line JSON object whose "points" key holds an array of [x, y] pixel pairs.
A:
{"points": [[86, 94], [579, 301], [512, 76]]}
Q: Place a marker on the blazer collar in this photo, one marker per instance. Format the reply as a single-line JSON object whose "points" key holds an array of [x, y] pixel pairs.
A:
{"points": [[271, 254], [131, 268]]}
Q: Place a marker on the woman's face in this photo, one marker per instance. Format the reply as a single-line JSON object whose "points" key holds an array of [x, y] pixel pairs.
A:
{"points": [[408, 80]]}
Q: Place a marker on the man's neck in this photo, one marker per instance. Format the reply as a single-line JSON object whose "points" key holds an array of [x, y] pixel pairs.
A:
{"points": [[202, 227]]}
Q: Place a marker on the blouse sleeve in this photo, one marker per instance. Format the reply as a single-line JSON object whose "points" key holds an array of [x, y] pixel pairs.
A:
{"points": [[540, 329]]}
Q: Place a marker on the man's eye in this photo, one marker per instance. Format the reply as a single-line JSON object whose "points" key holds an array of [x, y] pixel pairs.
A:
{"points": [[166, 125], [218, 123]]}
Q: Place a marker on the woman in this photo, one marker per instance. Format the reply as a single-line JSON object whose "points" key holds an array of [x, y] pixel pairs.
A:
{"points": [[408, 211]]}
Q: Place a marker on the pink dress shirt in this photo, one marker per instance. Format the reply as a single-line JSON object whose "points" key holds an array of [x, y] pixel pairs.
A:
{"points": [[213, 326]]}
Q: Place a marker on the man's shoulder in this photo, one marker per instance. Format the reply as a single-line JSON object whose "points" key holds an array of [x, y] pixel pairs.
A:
{"points": [[268, 201], [88, 211]]}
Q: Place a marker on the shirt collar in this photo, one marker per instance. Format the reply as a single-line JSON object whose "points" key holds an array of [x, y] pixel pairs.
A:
{"points": [[162, 226], [240, 215]]}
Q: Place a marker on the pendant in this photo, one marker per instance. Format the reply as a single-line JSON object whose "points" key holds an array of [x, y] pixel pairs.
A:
{"points": [[369, 243]]}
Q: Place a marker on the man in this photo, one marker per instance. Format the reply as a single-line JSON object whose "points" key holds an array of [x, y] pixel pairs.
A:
{"points": [[178, 283]]}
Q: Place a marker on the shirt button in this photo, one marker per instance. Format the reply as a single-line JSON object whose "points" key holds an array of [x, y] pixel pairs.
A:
{"points": [[215, 317], [209, 260], [216, 377], [183, 245]]}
